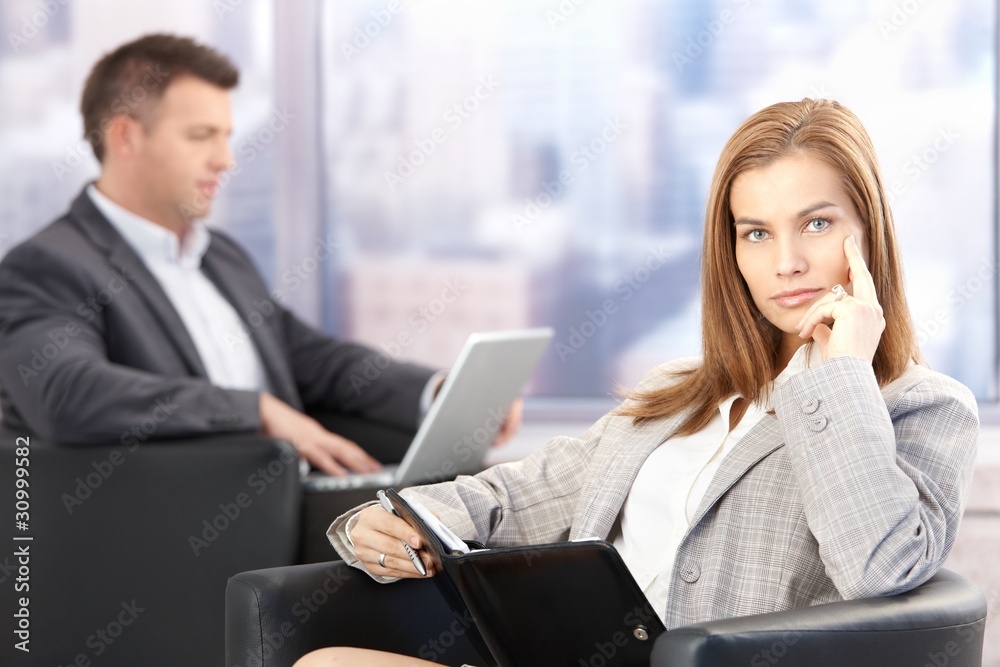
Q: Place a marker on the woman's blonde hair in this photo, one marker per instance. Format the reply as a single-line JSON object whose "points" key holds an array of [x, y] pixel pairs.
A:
{"points": [[740, 346]]}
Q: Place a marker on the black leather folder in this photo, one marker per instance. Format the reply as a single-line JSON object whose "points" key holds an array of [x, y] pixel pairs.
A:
{"points": [[568, 603]]}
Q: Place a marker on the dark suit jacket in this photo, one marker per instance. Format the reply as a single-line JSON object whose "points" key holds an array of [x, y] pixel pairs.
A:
{"points": [[91, 348]]}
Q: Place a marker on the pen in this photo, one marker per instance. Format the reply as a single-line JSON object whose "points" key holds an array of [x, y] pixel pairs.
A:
{"points": [[387, 506]]}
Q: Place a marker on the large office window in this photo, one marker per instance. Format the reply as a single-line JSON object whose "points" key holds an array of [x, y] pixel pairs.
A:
{"points": [[46, 53], [547, 163], [489, 165]]}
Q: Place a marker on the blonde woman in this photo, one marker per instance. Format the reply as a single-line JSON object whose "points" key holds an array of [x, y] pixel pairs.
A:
{"points": [[806, 457]]}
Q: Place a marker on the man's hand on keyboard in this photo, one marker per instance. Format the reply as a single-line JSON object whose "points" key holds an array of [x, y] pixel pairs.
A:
{"points": [[327, 451]]}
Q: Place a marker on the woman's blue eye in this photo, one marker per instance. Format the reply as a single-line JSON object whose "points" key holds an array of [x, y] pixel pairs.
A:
{"points": [[756, 234], [819, 224]]}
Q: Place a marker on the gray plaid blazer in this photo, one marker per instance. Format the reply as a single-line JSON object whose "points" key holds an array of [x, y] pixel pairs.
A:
{"points": [[846, 491]]}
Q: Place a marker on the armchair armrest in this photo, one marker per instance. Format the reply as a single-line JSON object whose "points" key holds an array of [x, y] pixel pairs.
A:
{"points": [[940, 622], [274, 617], [133, 545]]}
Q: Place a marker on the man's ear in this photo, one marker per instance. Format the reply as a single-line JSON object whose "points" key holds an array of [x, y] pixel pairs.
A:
{"points": [[123, 137]]}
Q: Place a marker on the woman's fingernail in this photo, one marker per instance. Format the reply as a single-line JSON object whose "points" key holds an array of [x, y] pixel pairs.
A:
{"points": [[854, 241]]}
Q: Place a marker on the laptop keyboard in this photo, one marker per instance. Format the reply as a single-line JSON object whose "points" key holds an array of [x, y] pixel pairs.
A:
{"points": [[321, 482]]}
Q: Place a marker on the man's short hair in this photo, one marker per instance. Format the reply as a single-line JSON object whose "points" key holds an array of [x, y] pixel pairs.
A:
{"points": [[127, 80]]}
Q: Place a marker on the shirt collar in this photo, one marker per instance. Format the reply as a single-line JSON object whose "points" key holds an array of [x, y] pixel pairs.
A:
{"points": [[807, 356], [154, 243]]}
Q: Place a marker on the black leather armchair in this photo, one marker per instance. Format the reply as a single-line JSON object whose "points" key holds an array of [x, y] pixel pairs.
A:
{"points": [[274, 616], [131, 548]]}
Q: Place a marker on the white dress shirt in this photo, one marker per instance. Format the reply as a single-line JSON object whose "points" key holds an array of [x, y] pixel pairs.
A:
{"points": [[671, 483], [210, 319]]}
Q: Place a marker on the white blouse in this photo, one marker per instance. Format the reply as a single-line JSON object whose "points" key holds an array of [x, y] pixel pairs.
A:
{"points": [[231, 358], [671, 483]]}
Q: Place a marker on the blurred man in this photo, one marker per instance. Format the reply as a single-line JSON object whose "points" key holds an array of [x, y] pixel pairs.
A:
{"points": [[118, 320]]}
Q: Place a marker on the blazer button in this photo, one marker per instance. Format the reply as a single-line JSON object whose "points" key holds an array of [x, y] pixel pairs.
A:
{"points": [[818, 424], [810, 406], [690, 573]]}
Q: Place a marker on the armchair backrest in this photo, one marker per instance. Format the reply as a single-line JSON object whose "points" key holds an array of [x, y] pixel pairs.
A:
{"points": [[132, 548]]}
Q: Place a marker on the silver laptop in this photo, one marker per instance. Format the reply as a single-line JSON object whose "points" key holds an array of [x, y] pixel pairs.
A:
{"points": [[459, 427]]}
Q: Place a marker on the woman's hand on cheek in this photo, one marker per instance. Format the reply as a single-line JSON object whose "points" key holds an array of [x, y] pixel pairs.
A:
{"points": [[847, 325]]}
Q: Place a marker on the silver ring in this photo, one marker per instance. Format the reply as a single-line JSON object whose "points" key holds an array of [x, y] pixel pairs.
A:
{"points": [[839, 291], [381, 560]]}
